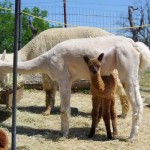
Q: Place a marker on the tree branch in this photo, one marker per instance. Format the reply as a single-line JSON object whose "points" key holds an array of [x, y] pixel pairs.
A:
{"points": [[33, 29], [141, 20]]}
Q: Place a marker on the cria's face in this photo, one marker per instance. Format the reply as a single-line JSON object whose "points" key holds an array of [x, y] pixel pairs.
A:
{"points": [[94, 66]]}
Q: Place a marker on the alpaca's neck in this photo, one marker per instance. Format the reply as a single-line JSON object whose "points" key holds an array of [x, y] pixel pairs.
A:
{"points": [[28, 49], [35, 47], [97, 83], [37, 65]]}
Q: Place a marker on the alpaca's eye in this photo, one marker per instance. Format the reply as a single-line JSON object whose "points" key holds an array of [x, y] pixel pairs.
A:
{"points": [[97, 66], [90, 66]]}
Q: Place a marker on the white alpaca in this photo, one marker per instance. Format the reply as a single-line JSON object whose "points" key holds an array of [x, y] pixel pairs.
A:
{"points": [[65, 63], [44, 42]]}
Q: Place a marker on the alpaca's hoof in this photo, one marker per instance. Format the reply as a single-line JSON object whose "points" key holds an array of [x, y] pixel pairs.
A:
{"points": [[64, 135], [46, 113], [90, 135], [130, 139], [115, 135], [110, 137], [122, 116]]}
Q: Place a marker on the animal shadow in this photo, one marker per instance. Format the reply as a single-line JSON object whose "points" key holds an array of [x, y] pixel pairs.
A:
{"points": [[55, 135], [44, 133], [82, 134], [39, 110], [32, 109]]}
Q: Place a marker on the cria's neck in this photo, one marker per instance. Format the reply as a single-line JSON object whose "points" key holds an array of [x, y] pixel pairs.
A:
{"points": [[97, 83]]}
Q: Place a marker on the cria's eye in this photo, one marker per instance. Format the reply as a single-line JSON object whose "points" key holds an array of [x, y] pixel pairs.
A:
{"points": [[97, 66], [91, 66]]}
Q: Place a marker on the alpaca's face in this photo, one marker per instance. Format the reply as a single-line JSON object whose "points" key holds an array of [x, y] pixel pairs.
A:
{"points": [[94, 64]]}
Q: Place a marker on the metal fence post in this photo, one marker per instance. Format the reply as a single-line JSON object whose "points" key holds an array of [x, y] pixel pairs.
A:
{"points": [[16, 35], [65, 14], [20, 27]]}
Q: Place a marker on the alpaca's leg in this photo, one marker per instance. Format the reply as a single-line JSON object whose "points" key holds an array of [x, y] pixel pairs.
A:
{"points": [[128, 62], [123, 99], [50, 87], [132, 90], [113, 117], [95, 115], [49, 102], [65, 94], [122, 96], [125, 105], [106, 117]]}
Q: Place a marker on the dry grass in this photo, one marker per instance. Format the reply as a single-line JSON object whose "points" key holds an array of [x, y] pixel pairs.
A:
{"points": [[37, 132]]}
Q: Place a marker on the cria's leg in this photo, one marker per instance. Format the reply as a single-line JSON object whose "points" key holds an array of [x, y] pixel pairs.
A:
{"points": [[133, 92], [65, 94], [100, 112], [50, 87], [113, 117], [106, 116], [95, 115]]}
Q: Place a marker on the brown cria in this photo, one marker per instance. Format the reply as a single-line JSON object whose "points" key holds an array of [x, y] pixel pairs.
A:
{"points": [[103, 97], [3, 140]]}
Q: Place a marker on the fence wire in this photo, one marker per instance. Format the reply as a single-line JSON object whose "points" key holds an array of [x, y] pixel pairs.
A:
{"points": [[108, 20]]}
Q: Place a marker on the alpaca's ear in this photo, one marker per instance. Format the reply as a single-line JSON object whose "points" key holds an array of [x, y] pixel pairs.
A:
{"points": [[100, 57], [3, 55], [86, 58]]}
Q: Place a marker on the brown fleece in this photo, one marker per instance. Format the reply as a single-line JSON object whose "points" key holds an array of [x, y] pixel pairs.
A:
{"points": [[103, 98], [3, 140]]}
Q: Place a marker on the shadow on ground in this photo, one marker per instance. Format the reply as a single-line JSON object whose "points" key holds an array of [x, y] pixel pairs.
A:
{"points": [[4, 113], [55, 135], [55, 111]]}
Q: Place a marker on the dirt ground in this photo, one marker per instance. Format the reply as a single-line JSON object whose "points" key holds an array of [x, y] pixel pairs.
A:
{"points": [[37, 132]]}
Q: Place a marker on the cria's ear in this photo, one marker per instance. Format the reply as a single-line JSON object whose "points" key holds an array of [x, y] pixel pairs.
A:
{"points": [[100, 57], [86, 58], [3, 55]]}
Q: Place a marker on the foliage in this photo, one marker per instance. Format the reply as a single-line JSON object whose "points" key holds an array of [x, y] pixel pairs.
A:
{"points": [[7, 25], [141, 7], [37, 23]]}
